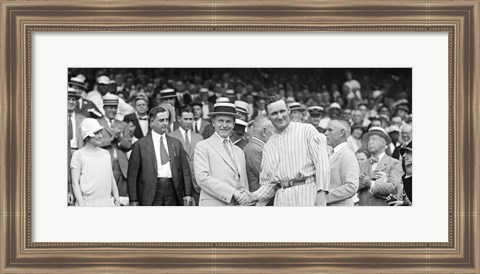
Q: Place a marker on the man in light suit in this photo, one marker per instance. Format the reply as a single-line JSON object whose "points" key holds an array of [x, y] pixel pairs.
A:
{"points": [[344, 167], [189, 140], [219, 165], [158, 172], [117, 139], [382, 174]]}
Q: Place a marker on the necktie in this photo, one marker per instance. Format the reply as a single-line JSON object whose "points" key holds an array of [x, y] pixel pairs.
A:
{"points": [[196, 127], [111, 123], [229, 152], [163, 152], [70, 127], [187, 140]]}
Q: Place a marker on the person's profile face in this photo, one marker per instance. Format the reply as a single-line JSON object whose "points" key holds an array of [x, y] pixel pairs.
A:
{"points": [[333, 134], [131, 127], [223, 125], [160, 122], [361, 158], [279, 114], [357, 133], [110, 111], [186, 120]]}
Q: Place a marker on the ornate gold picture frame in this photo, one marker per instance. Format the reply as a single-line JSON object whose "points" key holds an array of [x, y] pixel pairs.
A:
{"points": [[20, 19]]}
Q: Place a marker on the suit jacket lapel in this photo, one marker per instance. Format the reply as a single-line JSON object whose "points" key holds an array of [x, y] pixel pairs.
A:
{"points": [[151, 151], [382, 163], [106, 126], [218, 147]]}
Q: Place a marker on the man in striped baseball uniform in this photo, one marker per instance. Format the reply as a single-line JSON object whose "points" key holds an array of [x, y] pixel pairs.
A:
{"points": [[295, 167]]}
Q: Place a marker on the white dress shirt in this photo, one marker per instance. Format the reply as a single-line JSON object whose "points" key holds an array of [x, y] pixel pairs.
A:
{"points": [[143, 124], [73, 141], [163, 171], [189, 133], [374, 166]]}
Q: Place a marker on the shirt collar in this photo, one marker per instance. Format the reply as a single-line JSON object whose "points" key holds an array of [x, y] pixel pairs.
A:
{"points": [[381, 156], [138, 116], [182, 130], [339, 147], [157, 136], [221, 138], [253, 137]]}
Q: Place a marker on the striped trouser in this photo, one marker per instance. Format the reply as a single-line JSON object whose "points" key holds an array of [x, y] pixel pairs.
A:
{"points": [[303, 195]]}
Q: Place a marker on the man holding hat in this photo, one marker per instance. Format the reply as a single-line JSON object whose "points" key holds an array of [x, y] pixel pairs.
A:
{"points": [[117, 140], [220, 165], [382, 174], [86, 107]]}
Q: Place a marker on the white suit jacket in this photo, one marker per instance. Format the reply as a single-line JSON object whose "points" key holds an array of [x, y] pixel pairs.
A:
{"points": [[216, 174], [344, 175]]}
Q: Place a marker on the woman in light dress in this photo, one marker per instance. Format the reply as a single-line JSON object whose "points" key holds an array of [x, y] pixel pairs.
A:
{"points": [[91, 167]]}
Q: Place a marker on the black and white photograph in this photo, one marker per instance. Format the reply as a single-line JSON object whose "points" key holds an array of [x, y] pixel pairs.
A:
{"points": [[294, 137]]}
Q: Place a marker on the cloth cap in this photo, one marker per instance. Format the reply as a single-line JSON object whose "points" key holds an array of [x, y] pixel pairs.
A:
{"points": [[89, 127], [104, 80], [379, 131], [335, 105]]}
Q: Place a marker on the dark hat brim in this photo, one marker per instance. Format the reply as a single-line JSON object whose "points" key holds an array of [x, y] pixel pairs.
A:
{"points": [[77, 84], [211, 114]]}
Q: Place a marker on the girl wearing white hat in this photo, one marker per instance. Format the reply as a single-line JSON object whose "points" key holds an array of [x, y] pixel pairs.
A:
{"points": [[92, 177]]}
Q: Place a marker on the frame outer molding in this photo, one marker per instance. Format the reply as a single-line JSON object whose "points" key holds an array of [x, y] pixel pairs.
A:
{"points": [[18, 254]]}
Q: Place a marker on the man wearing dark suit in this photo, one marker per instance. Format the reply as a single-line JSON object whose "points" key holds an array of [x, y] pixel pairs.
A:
{"points": [[85, 107], [74, 119], [262, 130], [116, 138], [406, 133], [158, 173], [139, 118], [199, 123], [344, 167], [189, 140], [382, 174]]}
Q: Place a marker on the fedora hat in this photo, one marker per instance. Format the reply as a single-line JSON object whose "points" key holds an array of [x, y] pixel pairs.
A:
{"points": [[224, 109], [379, 131]]}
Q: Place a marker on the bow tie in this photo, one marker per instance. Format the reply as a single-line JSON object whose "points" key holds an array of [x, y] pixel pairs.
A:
{"points": [[373, 160], [142, 118]]}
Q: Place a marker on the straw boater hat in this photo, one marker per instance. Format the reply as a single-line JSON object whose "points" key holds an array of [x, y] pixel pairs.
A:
{"points": [[168, 93], [73, 93], [335, 105], [240, 124], [315, 111], [77, 81], [296, 106], [224, 109], [110, 100], [89, 127], [241, 106], [222, 100], [379, 131]]}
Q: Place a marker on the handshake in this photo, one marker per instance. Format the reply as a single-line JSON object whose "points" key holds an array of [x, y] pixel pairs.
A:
{"points": [[245, 197]]}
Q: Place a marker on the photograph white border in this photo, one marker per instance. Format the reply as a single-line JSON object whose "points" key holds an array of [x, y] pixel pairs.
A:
{"points": [[426, 53]]}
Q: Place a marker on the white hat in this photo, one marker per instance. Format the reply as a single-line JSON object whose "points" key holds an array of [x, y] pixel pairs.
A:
{"points": [[241, 106], [335, 105], [89, 127], [393, 128], [103, 80], [222, 100], [379, 131]]}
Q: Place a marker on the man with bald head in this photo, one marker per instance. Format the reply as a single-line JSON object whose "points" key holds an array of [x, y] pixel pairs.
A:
{"points": [[344, 167], [262, 130]]}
